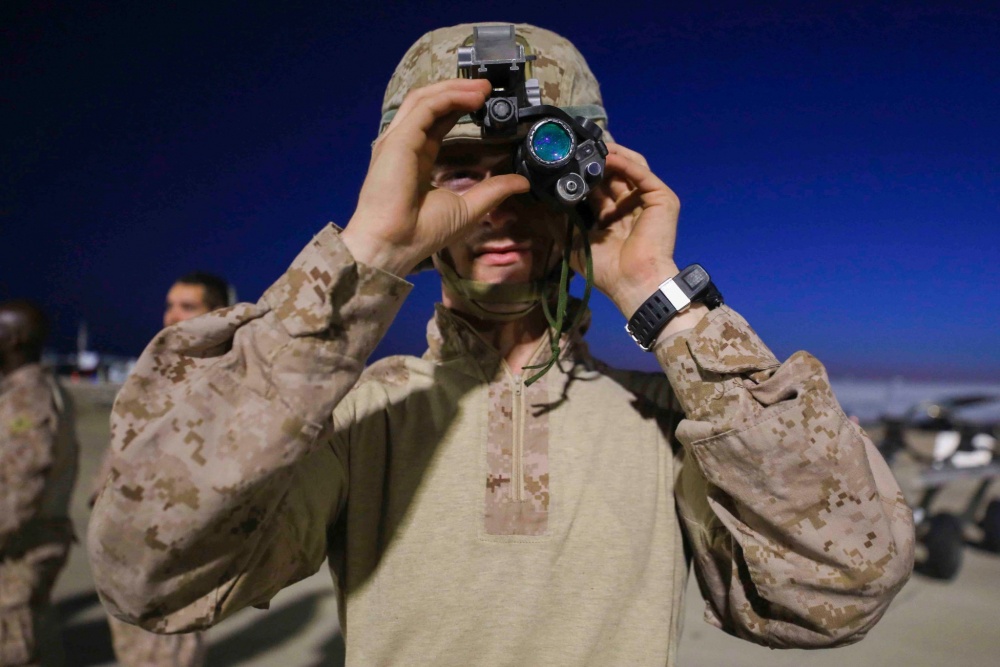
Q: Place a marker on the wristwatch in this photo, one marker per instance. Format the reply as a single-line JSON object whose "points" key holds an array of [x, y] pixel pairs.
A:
{"points": [[672, 296]]}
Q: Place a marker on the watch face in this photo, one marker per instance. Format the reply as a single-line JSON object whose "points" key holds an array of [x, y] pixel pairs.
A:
{"points": [[695, 278]]}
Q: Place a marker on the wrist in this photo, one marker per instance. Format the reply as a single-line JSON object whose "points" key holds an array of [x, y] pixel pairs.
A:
{"points": [[633, 293], [375, 253], [684, 321]]}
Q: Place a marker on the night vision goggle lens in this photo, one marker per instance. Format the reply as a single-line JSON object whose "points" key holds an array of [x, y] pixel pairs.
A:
{"points": [[551, 142]]}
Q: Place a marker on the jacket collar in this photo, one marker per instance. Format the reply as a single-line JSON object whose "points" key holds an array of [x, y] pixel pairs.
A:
{"points": [[451, 338]]}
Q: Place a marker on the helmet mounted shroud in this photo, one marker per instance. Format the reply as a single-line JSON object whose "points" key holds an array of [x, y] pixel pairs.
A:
{"points": [[561, 155]]}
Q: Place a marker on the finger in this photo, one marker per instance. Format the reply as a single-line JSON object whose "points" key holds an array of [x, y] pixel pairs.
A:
{"points": [[423, 131], [646, 182], [619, 186], [486, 195], [424, 106], [416, 97], [602, 201], [609, 195], [635, 156], [632, 201], [442, 126], [602, 190], [424, 122]]}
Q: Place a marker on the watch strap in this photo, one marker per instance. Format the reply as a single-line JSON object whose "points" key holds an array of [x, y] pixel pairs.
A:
{"points": [[674, 295]]}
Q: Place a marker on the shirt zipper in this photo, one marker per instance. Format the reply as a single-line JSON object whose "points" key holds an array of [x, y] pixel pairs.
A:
{"points": [[517, 474]]}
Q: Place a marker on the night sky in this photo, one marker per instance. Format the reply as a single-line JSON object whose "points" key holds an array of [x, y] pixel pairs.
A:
{"points": [[839, 169]]}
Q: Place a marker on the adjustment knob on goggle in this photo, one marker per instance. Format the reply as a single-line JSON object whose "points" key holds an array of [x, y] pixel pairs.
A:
{"points": [[571, 188]]}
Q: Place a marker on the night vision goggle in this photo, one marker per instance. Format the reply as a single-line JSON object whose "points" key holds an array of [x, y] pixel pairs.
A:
{"points": [[562, 155]]}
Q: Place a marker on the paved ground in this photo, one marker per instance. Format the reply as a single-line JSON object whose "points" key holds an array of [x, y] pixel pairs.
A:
{"points": [[930, 624]]}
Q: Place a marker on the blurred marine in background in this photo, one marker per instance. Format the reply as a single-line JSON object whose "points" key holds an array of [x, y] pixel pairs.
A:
{"points": [[38, 466], [507, 498], [194, 294]]}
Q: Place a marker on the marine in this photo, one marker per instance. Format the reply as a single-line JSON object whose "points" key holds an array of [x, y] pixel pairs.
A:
{"points": [[472, 510], [38, 467]]}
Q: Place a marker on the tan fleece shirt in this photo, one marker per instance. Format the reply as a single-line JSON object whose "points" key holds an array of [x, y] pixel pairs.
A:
{"points": [[469, 519]]}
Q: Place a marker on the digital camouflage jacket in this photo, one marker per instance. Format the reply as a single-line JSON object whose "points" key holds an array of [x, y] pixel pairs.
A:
{"points": [[38, 460], [468, 519]]}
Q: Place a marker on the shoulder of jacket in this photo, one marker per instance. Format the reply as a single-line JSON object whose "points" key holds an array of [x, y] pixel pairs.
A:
{"points": [[28, 406], [384, 383], [393, 371]]}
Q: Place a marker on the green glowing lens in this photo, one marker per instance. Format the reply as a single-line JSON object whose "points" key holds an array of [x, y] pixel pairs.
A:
{"points": [[551, 142]]}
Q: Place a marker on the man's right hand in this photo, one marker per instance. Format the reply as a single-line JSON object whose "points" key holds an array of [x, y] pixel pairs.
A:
{"points": [[400, 219]]}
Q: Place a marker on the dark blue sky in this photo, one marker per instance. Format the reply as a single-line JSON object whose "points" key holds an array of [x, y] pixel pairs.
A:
{"points": [[839, 169]]}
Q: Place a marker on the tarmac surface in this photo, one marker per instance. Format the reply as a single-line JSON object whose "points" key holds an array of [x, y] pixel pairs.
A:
{"points": [[931, 623]]}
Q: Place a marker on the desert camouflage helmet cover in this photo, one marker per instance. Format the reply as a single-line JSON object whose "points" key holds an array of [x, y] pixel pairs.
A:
{"points": [[563, 75]]}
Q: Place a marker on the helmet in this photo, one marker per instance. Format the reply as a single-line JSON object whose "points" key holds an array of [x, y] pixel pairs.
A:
{"points": [[563, 75], [564, 80]]}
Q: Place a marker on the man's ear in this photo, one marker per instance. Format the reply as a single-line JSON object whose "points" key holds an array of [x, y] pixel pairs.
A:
{"points": [[14, 337], [6, 332]]}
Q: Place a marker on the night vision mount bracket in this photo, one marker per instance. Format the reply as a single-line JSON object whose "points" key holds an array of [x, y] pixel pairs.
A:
{"points": [[495, 55]]}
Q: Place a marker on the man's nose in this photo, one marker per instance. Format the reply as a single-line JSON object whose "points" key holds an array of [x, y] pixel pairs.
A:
{"points": [[506, 213], [500, 217]]}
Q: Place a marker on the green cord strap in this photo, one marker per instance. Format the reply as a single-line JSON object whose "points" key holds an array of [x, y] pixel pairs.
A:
{"points": [[581, 217]]}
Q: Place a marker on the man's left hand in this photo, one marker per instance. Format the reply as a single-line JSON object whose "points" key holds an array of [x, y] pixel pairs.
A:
{"points": [[634, 236], [635, 230]]}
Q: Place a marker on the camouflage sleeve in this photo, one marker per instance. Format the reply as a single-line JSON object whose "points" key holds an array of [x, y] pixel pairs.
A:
{"points": [[801, 536], [222, 481], [28, 428]]}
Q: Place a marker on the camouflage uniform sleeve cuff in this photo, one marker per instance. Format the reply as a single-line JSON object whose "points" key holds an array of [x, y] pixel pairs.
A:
{"points": [[700, 361], [326, 290]]}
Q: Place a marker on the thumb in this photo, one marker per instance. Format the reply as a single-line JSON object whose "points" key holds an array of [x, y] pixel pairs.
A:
{"points": [[488, 194]]}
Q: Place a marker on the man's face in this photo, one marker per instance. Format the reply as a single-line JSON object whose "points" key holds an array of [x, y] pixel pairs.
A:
{"points": [[184, 302], [517, 242]]}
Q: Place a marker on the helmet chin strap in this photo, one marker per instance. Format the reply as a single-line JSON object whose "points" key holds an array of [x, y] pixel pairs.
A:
{"points": [[476, 296]]}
